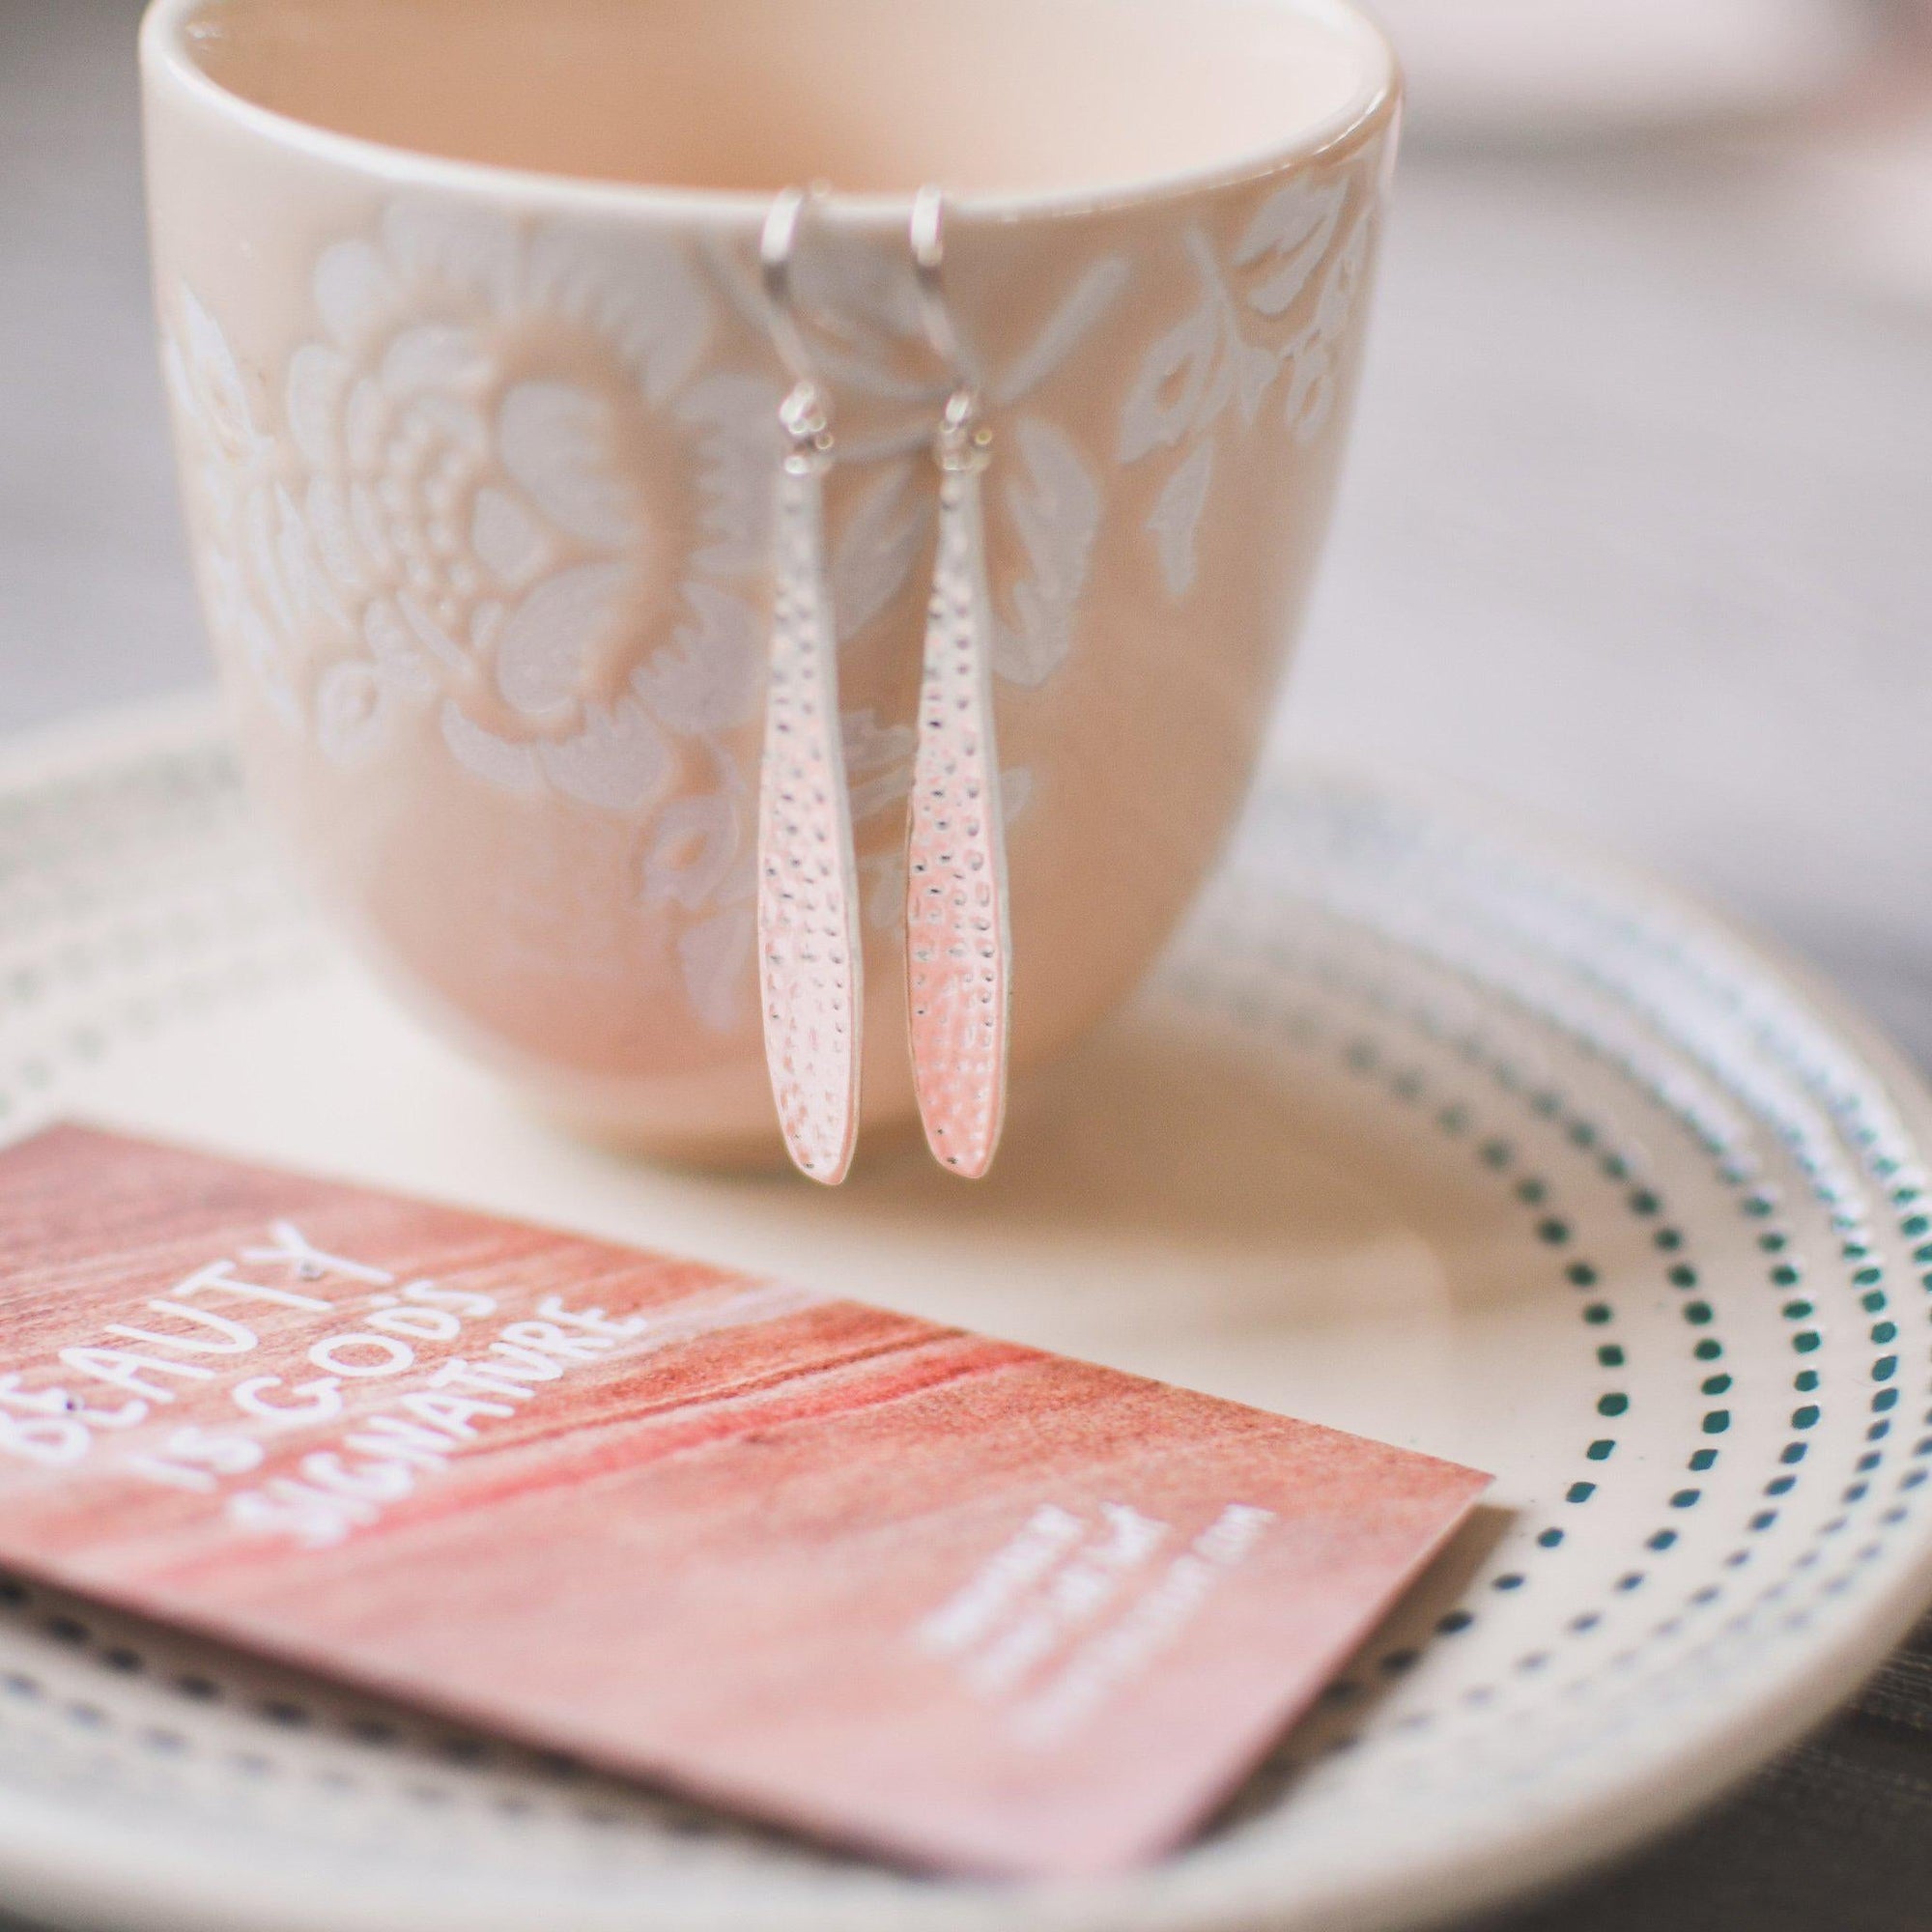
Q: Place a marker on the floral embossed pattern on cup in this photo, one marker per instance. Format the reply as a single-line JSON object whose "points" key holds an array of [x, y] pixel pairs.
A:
{"points": [[478, 420]]}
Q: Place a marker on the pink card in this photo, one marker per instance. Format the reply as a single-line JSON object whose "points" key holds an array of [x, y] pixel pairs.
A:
{"points": [[959, 1601]]}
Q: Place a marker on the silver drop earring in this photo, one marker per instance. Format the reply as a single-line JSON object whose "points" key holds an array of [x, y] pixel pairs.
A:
{"points": [[810, 982], [958, 945]]}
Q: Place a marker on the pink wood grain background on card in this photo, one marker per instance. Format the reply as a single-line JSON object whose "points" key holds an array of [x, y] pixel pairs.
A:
{"points": [[946, 1597]]}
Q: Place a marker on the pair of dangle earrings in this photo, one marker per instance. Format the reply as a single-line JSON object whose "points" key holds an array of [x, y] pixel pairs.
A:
{"points": [[958, 945]]}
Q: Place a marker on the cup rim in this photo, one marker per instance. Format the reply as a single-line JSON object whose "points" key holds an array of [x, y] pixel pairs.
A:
{"points": [[164, 50]]}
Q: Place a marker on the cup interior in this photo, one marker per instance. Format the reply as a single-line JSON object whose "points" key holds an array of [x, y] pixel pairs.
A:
{"points": [[876, 97]]}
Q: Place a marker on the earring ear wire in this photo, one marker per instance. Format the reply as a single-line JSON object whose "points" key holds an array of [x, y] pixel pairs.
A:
{"points": [[927, 235], [778, 248]]}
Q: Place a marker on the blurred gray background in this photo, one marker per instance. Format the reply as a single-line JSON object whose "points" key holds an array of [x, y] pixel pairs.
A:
{"points": [[1636, 537]]}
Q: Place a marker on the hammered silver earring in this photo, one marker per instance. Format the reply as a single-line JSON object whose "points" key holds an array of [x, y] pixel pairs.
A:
{"points": [[958, 945], [809, 959]]}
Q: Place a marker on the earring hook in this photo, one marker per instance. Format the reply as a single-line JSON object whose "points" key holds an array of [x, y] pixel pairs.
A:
{"points": [[962, 441], [929, 261], [806, 411]]}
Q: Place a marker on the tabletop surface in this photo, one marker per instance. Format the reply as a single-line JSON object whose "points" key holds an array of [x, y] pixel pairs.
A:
{"points": [[1632, 538]]}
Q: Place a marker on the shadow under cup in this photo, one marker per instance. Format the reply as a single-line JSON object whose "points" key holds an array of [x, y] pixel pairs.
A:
{"points": [[477, 419]]}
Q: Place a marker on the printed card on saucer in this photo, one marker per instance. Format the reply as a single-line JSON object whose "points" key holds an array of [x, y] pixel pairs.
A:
{"points": [[958, 1602]]}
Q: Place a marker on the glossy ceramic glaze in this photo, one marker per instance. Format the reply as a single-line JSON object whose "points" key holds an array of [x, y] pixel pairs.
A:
{"points": [[476, 411]]}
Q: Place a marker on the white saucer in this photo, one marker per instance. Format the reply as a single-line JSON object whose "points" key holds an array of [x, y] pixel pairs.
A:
{"points": [[1423, 1131]]}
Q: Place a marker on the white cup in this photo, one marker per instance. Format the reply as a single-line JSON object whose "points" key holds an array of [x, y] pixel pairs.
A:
{"points": [[477, 418]]}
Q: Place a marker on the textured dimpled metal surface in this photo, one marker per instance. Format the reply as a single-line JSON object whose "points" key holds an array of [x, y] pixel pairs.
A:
{"points": [[809, 956], [959, 949]]}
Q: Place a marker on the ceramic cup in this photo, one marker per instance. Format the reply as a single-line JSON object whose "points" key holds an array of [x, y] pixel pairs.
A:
{"points": [[477, 408]]}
